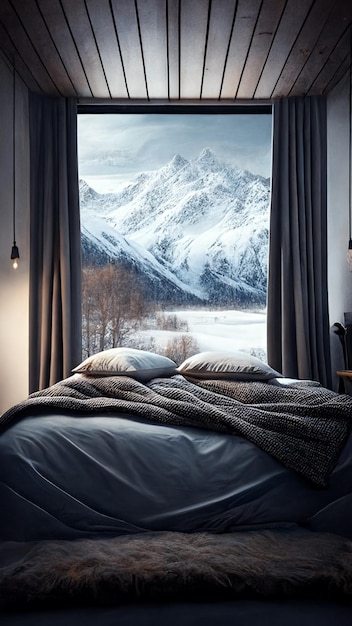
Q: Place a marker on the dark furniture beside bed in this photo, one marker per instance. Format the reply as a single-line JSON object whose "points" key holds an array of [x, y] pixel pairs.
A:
{"points": [[219, 492], [346, 377]]}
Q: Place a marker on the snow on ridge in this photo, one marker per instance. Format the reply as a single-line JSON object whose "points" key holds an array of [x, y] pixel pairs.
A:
{"points": [[190, 214], [115, 245]]}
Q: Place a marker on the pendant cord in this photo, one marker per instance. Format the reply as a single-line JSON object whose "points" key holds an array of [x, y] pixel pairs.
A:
{"points": [[350, 142], [14, 154]]}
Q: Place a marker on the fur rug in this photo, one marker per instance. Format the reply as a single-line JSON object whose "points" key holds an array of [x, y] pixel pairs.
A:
{"points": [[165, 566]]}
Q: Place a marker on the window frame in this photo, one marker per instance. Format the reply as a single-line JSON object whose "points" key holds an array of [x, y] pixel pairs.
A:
{"points": [[178, 108]]}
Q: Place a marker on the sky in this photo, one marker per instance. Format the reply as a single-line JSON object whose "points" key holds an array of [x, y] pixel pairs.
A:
{"points": [[114, 148]]}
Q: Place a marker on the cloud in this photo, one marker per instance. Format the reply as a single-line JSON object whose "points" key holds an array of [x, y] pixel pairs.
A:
{"points": [[122, 145]]}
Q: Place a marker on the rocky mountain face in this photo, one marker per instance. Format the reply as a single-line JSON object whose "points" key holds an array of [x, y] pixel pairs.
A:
{"points": [[195, 231]]}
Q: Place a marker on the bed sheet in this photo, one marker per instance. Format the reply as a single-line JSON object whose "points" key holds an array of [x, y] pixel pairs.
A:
{"points": [[68, 477]]}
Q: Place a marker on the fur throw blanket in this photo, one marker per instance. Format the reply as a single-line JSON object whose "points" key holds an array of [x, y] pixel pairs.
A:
{"points": [[303, 426], [168, 566]]}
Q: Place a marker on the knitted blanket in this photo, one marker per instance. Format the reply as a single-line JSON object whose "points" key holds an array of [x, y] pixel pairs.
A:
{"points": [[304, 427]]}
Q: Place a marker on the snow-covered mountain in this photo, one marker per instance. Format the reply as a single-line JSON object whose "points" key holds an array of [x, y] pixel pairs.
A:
{"points": [[102, 244], [201, 224]]}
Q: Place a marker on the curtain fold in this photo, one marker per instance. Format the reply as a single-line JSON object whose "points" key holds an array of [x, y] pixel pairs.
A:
{"points": [[55, 251], [298, 330]]}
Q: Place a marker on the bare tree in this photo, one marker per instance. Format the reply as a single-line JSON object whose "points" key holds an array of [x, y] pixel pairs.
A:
{"points": [[113, 306], [181, 347]]}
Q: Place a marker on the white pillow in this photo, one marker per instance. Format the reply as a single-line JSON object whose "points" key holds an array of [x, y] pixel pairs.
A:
{"points": [[227, 365], [138, 364]]}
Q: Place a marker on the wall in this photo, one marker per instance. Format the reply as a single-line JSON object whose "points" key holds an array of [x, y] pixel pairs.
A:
{"points": [[13, 283], [339, 177]]}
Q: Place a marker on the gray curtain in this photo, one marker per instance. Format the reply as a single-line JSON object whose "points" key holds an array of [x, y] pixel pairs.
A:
{"points": [[298, 320], [55, 251]]}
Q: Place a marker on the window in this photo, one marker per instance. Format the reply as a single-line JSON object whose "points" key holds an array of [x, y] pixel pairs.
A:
{"points": [[175, 229]]}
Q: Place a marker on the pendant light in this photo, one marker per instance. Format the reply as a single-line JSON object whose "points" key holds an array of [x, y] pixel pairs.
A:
{"points": [[349, 251], [15, 255]]}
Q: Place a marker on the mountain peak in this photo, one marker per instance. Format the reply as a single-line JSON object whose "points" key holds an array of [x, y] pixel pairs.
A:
{"points": [[206, 152], [178, 161], [176, 164], [83, 185], [207, 160], [207, 155], [86, 193]]}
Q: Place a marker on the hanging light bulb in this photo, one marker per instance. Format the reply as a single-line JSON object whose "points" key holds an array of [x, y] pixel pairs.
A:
{"points": [[349, 255], [15, 255]]}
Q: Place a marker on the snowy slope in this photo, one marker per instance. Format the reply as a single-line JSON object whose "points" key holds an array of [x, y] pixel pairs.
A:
{"points": [[102, 244]]}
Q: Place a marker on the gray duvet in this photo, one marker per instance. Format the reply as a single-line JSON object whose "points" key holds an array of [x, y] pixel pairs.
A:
{"points": [[69, 476]]}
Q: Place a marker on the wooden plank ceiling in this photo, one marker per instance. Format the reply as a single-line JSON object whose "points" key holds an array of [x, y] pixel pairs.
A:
{"points": [[170, 50]]}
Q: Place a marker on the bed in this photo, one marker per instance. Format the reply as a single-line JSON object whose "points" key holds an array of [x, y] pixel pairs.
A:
{"points": [[141, 492]]}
